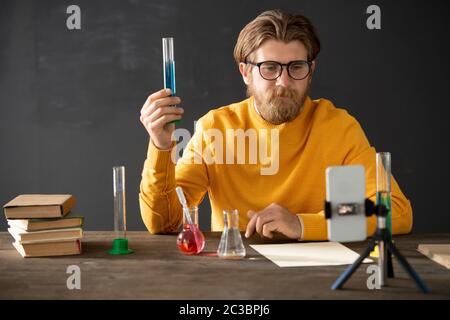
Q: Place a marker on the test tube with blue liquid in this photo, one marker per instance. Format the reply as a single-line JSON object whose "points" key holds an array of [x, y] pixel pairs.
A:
{"points": [[169, 67]]}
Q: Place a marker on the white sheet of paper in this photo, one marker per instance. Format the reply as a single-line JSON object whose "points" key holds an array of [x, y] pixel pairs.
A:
{"points": [[309, 254]]}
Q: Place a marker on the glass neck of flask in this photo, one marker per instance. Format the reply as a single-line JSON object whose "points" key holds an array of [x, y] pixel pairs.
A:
{"points": [[231, 219]]}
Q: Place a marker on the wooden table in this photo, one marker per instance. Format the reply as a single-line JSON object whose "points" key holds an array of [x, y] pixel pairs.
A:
{"points": [[157, 270]]}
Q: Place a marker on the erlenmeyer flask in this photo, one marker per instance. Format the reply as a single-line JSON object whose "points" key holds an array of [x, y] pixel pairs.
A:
{"points": [[231, 245]]}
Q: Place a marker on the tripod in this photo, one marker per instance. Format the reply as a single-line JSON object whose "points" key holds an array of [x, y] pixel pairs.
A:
{"points": [[386, 248]]}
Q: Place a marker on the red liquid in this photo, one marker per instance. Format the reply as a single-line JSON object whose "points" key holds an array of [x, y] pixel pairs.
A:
{"points": [[191, 239]]}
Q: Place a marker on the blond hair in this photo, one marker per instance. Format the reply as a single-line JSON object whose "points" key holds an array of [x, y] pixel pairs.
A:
{"points": [[277, 25]]}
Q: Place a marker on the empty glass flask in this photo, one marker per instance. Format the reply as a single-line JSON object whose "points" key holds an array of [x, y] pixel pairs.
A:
{"points": [[231, 245]]}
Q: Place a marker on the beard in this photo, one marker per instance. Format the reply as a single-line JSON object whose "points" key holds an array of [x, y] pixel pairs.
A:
{"points": [[279, 104]]}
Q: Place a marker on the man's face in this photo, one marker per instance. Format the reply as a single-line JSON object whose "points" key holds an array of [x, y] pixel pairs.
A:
{"points": [[279, 100]]}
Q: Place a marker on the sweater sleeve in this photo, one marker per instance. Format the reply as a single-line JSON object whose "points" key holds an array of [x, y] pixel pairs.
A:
{"points": [[359, 151], [160, 209], [365, 155]]}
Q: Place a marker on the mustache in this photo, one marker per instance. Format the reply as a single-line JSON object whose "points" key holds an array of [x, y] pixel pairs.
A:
{"points": [[281, 92]]}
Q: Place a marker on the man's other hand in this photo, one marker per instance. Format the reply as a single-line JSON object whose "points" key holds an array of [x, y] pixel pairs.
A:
{"points": [[271, 219]]}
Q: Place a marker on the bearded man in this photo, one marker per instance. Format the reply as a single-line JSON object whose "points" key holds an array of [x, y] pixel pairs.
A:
{"points": [[278, 194]]}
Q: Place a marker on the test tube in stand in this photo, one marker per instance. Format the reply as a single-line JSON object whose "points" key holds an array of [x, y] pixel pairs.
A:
{"points": [[383, 194], [169, 66], [120, 243], [383, 165]]}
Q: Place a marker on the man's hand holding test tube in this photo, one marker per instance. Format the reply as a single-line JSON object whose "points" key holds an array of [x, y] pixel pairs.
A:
{"points": [[160, 111]]}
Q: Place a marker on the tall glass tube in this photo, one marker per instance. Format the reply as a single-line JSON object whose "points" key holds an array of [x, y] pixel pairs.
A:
{"points": [[383, 163], [120, 243], [169, 66], [383, 167], [120, 211]]}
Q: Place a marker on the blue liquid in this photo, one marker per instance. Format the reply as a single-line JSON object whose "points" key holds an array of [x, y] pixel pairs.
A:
{"points": [[169, 77], [169, 80]]}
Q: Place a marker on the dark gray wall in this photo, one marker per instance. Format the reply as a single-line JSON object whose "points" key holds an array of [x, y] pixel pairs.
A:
{"points": [[70, 100]]}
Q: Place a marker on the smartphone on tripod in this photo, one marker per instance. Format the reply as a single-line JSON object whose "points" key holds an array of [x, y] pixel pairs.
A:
{"points": [[346, 193]]}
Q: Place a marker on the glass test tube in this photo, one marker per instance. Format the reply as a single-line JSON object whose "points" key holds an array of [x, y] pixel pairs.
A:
{"points": [[383, 165], [120, 243], [169, 66], [120, 213]]}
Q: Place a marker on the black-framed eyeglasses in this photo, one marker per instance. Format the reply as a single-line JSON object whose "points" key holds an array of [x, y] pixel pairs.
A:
{"points": [[271, 70]]}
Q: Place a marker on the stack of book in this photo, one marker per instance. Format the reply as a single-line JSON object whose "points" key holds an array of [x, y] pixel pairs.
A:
{"points": [[43, 225]]}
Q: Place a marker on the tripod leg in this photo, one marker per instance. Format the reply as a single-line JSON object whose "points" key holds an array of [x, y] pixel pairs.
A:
{"points": [[390, 267], [404, 263], [382, 258], [349, 271]]}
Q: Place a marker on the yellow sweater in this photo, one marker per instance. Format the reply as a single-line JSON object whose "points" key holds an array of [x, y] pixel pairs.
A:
{"points": [[321, 136]]}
